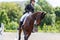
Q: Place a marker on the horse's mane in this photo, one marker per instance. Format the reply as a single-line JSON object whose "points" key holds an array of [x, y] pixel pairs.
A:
{"points": [[34, 14]]}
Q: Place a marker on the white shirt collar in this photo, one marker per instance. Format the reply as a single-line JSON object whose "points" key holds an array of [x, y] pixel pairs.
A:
{"points": [[32, 5]]}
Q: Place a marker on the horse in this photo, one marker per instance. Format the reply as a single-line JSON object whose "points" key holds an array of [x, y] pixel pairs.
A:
{"points": [[28, 25]]}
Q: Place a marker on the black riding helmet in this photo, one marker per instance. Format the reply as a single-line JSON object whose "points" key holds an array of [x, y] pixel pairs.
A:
{"points": [[32, 0]]}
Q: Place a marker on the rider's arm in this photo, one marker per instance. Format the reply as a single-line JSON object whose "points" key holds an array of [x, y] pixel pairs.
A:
{"points": [[27, 8]]}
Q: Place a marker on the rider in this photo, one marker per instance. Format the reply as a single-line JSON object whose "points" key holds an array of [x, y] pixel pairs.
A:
{"points": [[28, 10]]}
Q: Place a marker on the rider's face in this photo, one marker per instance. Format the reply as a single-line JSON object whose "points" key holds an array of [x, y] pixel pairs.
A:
{"points": [[33, 2]]}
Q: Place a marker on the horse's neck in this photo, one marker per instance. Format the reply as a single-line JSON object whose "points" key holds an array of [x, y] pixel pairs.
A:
{"points": [[34, 15]]}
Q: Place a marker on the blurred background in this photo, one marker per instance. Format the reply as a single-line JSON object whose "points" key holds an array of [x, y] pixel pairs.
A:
{"points": [[12, 10]]}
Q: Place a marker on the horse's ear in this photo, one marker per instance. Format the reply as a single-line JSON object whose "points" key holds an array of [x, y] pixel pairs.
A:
{"points": [[43, 13]]}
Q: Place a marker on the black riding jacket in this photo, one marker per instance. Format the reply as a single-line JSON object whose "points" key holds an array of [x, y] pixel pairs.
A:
{"points": [[29, 8]]}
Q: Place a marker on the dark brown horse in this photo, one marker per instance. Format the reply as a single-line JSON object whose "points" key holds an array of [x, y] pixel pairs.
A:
{"points": [[28, 25]]}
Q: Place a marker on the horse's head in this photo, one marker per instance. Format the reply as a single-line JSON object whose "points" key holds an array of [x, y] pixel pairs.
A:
{"points": [[39, 17]]}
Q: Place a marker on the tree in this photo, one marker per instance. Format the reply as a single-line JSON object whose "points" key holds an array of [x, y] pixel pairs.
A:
{"points": [[9, 12], [46, 7]]}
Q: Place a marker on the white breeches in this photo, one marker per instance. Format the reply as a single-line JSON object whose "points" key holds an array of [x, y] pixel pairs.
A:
{"points": [[25, 16]]}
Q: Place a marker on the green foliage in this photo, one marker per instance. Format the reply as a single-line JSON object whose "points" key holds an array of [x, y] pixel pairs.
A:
{"points": [[45, 6], [50, 19], [11, 26], [10, 14], [49, 28], [37, 7], [57, 12]]}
